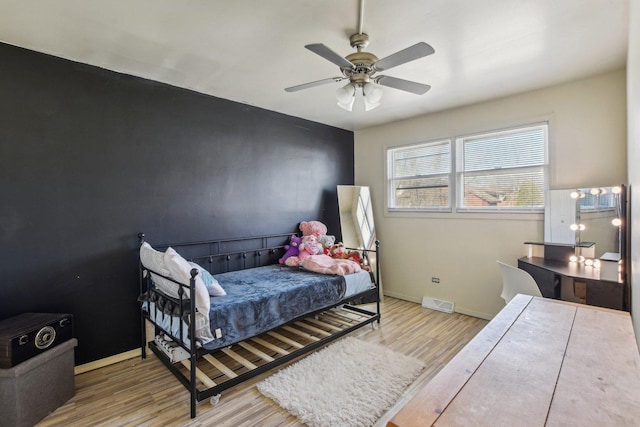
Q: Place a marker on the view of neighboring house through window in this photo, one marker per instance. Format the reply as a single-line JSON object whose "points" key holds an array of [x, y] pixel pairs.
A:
{"points": [[494, 171], [419, 176]]}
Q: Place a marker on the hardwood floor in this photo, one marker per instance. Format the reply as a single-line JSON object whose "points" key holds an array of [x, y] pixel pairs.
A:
{"points": [[143, 393]]}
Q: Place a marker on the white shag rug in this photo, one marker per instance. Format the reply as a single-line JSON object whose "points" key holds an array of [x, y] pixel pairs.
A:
{"points": [[349, 383]]}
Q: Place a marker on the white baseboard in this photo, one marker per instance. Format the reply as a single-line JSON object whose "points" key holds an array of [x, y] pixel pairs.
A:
{"points": [[96, 364], [473, 313], [417, 300], [458, 309]]}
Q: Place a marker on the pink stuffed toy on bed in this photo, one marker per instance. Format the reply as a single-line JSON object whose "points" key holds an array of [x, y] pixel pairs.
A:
{"points": [[326, 265], [315, 228]]}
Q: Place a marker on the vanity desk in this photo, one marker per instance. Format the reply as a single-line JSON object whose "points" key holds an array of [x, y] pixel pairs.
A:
{"points": [[583, 256], [559, 278]]}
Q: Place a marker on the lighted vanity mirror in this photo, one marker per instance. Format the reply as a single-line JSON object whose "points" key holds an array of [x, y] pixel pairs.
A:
{"points": [[584, 216], [356, 219]]}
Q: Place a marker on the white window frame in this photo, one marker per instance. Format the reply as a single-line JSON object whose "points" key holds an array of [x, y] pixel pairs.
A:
{"points": [[460, 173], [455, 176], [392, 178]]}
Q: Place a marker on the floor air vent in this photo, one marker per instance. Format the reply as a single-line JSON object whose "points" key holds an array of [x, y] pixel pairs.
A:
{"points": [[437, 304]]}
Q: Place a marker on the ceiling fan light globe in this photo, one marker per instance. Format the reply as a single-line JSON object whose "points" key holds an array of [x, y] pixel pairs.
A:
{"points": [[345, 94], [347, 105], [372, 94]]}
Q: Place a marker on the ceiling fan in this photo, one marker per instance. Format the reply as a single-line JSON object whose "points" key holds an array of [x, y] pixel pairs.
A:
{"points": [[361, 69]]}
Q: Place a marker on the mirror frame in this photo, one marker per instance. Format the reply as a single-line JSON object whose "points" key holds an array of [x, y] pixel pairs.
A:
{"points": [[354, 206], [563, 205]]}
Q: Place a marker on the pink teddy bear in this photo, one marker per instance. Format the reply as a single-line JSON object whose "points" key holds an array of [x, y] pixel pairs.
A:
{"points": [[309, 246], [315, 228]]}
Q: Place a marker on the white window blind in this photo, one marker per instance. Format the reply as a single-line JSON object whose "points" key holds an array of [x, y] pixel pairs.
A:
{"points": [[419, 176], [503, 170]]}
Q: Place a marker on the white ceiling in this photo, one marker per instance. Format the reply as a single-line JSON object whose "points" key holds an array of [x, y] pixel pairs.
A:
{"points": [[250, 50]]}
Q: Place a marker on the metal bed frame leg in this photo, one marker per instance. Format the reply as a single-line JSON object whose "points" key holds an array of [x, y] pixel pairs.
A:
{"points": [[193, 390], [377, 242], [143, 329]]}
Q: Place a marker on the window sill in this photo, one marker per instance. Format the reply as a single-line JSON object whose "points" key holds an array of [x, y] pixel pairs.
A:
{"points": [[466, 215]]}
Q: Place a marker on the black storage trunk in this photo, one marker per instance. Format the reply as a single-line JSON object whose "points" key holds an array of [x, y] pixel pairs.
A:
{"points": [[30, 334]]}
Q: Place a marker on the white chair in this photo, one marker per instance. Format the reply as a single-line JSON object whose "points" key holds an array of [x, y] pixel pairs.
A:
{"points": [[516, 281]]}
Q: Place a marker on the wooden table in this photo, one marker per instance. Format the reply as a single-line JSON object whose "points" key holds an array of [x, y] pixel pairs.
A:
{"points": [[538, 362]]}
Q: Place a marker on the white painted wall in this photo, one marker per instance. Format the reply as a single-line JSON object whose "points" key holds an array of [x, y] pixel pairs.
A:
{"points": [[633, 111], [587, 148]]}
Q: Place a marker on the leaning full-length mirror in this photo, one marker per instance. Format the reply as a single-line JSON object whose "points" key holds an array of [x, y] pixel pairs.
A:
{"points": [[356, 220]]}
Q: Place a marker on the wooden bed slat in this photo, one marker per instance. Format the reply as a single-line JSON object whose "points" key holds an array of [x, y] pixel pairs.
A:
{"points": [[351, 315], [270, 346], [255, 351], [220, 366], [336, 318], [204, 378], [300, 333], [325, 324], [313, 328], [238, 358], [282, 338]]}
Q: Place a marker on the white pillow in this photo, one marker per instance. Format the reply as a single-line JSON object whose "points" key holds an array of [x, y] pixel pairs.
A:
{"points": [[180, 270], [154, 260], [213, 287]]}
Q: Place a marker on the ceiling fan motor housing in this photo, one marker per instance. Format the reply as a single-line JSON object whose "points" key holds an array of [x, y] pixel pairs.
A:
{"points": [[362, 62], [359, 41]]}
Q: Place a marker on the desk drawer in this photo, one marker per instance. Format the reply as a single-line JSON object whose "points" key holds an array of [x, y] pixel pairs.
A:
{"points": [[605, 294]]}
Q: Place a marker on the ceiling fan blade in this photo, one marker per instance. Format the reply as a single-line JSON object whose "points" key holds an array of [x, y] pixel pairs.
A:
{"points": [[406, 85], [312, 84], [411, 53], [328, 54]]}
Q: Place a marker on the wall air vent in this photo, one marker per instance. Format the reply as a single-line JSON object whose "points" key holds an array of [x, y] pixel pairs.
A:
{"points": [[437, 304]]}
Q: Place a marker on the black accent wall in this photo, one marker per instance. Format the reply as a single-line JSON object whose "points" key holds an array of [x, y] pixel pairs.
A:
{"points": [[90, 157]]}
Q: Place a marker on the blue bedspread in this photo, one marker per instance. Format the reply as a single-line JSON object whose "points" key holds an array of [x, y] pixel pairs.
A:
{"points": [[262, 298]]}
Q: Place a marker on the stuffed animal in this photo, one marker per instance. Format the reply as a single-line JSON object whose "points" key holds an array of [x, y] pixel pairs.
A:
{"points": [[292, 261], [327, 242], [292, 249], [354, 256], [315, 228], [338, 251], [309, 246]]}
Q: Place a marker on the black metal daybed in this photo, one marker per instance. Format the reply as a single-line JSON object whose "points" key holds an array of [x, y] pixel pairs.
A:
{"points": [[270, 314]]}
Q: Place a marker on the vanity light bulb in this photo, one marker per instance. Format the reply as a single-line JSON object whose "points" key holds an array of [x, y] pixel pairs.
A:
{"points": [[575, 194], [581, 227], [573, 227], [616, 190], [595, 191], [573, 258], [588, 262], [617, 222], [582, 195], [580, 258], [596, 263]]}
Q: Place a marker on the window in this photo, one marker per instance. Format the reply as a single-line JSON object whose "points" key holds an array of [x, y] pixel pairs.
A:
{"points": [[494, 171], [420, 176], [503, 170], [597, 199]]}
